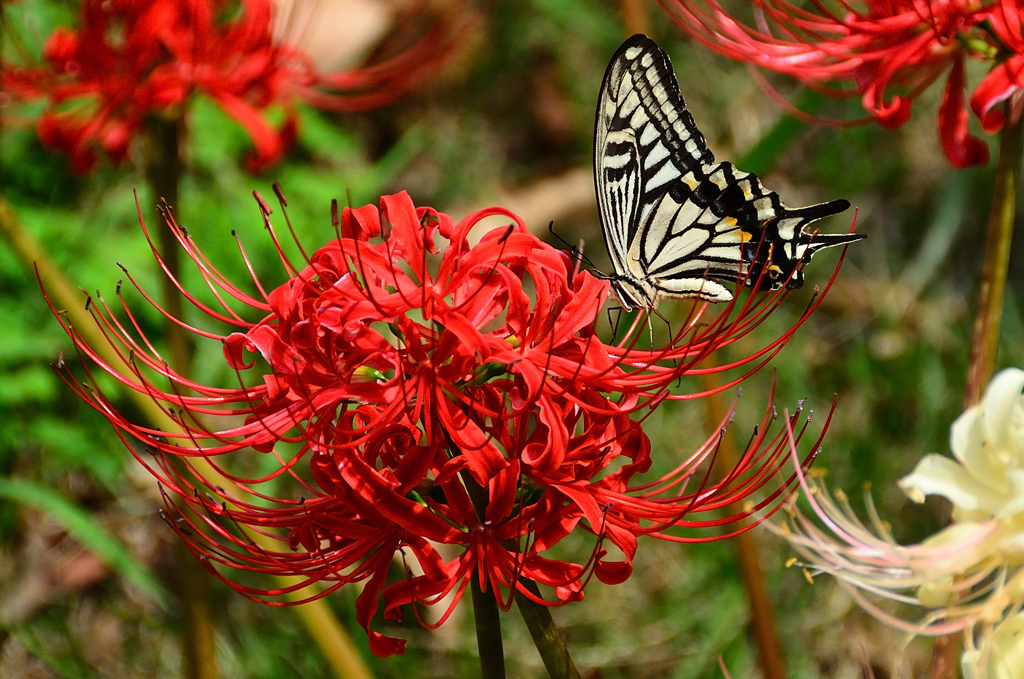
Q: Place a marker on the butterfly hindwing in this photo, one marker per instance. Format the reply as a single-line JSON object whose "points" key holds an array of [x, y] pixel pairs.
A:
{"points": [[618, 193], [673, 220]]}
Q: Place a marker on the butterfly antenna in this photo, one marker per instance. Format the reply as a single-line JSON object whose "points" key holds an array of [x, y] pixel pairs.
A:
{"points": [[615, 325], [574, 249]]}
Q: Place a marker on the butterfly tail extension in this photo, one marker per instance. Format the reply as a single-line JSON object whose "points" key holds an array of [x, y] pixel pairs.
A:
{"points": [[791, 245]]}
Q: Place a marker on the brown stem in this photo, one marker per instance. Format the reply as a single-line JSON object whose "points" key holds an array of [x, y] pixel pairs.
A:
{"points": [[991, 291], [748, 553], [546, 636], [634, 17], [191, 584], [945, 656]]}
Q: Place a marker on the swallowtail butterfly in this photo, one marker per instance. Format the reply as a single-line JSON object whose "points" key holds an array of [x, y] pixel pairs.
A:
{"points": [[674, 220]]}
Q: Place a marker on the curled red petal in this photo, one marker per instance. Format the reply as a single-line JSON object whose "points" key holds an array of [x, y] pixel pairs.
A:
{"points": [[268, 142], [998, 86], [234, 345], [366, 606], [962, 149], [62, 46]]}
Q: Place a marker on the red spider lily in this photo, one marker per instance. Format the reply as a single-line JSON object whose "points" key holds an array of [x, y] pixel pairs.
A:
{"points": [[415, 394], [889, 51], [130, 59]]}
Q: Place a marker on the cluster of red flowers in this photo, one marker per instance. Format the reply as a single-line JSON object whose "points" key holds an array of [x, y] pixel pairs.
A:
{"points": [[130, 59], [902, 45], [416, 394]]}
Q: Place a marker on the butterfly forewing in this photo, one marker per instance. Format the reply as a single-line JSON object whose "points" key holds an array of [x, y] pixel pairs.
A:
{"points": [[673, 220], [645, 138]]}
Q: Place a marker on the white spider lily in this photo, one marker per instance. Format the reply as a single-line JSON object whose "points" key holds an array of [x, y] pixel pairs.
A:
{"points": [[968, 577]]}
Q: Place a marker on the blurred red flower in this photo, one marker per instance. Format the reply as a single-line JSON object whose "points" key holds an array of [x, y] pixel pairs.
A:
{"points": [[890, 52], [415, 393], [129, 59], [1007, 77]]}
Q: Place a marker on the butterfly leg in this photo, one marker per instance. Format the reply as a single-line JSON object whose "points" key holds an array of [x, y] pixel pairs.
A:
{"points": [[651, 329], [615, 325]]}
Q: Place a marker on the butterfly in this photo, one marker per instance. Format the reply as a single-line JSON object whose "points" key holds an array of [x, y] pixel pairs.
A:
{"points": [[674, 221]]}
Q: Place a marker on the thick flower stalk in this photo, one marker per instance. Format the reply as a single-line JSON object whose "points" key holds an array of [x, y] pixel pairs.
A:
{"points": [[968, 577], [403, 390], [886, 52], [131, 59]]}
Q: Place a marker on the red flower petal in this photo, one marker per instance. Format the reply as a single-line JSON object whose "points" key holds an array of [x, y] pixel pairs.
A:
{"points": [[483, 459], [998, 86], [961, 148], [127, 61]]}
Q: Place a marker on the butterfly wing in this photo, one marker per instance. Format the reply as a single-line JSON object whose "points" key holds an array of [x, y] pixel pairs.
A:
{"points": [[720, 222], [644, 140], [673, 220]]}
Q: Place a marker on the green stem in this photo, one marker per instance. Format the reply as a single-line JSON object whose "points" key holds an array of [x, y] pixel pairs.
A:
{"points": [[991, 291], [488, 633], [546, 636], [486, 614], [163, 174]]}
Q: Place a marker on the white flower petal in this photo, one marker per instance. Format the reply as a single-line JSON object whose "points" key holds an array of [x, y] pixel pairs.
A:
{"points": [[1006, 650], [962, 432], [979, 457], [1002, 403], [1015, 497], [938, 475]]}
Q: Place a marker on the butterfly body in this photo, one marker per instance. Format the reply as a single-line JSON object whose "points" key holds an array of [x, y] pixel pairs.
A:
{"points": [[674, 220]]}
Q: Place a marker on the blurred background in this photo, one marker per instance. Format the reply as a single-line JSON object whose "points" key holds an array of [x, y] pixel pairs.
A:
{"points": [[85, 562]]}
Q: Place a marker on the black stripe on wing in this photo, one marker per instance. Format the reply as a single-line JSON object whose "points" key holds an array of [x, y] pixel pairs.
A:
{"points": [[654, 81], [786, 247], [618, 192], [721, 222], [640, 94]]}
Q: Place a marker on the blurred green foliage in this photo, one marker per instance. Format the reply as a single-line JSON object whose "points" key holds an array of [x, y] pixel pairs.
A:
{"points": [[516, 108]]}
